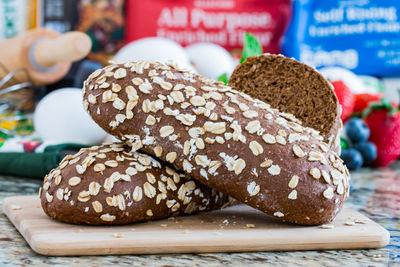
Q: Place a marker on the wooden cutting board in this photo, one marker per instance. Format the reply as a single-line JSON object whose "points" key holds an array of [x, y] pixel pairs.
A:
{"points": [[238, 228]]}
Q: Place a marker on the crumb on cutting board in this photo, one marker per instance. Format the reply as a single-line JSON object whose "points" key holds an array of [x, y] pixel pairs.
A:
{"points": [[327, 226], [16, 207], [117, 235]]}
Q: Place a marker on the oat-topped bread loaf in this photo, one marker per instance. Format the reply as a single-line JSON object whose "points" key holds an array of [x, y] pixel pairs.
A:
{"points": [[222, 137], [109, 184], [292, 87]]}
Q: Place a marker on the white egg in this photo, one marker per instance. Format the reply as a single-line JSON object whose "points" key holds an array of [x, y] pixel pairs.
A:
{"points": [[349, 78], [210, 60], [60, 117], [153, 49]]}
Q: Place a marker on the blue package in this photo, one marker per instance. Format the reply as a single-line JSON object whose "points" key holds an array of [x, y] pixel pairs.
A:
{"points": [[360, 35]]}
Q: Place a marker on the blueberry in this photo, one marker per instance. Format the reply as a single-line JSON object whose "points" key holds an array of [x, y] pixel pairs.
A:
{"points": [[357, 130], [352, 158], [368, 151]]}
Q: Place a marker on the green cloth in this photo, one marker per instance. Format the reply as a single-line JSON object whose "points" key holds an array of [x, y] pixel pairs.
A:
{"points": [[35, 165]]}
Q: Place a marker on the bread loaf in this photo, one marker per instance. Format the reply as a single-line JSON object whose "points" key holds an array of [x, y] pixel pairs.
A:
{"points": [[225, 139], [292, 87], [110, 184]]}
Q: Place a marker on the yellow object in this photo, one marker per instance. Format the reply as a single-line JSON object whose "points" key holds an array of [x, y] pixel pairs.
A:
{"points": [[8, 125], [32, 14]]}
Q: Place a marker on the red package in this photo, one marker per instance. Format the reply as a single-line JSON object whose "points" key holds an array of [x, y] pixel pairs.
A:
{"points": [[223, 22]]}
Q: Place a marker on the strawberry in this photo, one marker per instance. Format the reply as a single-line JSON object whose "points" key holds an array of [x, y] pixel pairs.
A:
{"points": [[346, 98], [363, 100], [383, 119], [30, 146]]}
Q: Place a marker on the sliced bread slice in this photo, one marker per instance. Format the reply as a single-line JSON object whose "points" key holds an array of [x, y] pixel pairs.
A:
{"points": [[292, 87]]}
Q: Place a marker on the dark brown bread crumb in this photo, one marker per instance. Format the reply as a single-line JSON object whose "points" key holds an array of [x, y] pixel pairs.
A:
{"points": [[291, 87]]}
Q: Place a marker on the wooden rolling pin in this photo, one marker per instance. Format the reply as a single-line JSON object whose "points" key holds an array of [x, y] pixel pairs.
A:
{"points": [[45, 54]]}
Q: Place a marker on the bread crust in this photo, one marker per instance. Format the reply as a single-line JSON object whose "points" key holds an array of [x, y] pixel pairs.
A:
{"points": [[109, 184], [221, 137]]}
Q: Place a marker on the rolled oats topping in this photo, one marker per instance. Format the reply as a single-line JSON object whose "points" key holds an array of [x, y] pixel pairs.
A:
{"points": [[166, 131], [266, 163], [315, 173], [97, 206], [250, 114], [274, 170], [73, 181], [269, 139], [326, 176], [49, 197], [92, 99], [80, 169], [298, 151], [199, 143], [214, 127], [149, 190], [145, 87], [280, 140], [197, 101], [315, 156], [170, 157], [151, 120], [240, 164], [116, 88], [293, 195], [58, 179], [253, 189], [293, 181], [107, 217], [340, 189], [60, 194], [99, 167], [253, 126], [149, 212], [328, 193], [337, 177], [137, 194], [120, 73], [158, 151], [256, 148]]}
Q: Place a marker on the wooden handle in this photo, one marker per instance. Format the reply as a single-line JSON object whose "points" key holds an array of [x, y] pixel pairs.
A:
{"points": [[67, 47]]}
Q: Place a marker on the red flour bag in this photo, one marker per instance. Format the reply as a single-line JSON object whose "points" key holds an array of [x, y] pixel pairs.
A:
{"points": [[223, 22]]}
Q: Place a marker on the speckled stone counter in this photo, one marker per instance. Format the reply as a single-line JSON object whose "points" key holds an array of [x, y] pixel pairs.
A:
{"points": [[376, 193]]}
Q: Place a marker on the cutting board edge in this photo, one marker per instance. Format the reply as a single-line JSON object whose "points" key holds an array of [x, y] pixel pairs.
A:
{"points": [[47, 251], [50, 250]]}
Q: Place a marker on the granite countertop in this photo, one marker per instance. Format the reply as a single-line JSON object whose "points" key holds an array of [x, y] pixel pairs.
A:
{"points": [[376, 193]]}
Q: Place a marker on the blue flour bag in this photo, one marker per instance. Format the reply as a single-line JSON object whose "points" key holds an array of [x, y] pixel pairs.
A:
{"points": [[360, 35]]}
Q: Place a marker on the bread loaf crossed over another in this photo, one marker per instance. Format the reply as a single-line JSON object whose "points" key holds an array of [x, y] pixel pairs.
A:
{"points": [[109, 184], [295, 88], [223, 138]]}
